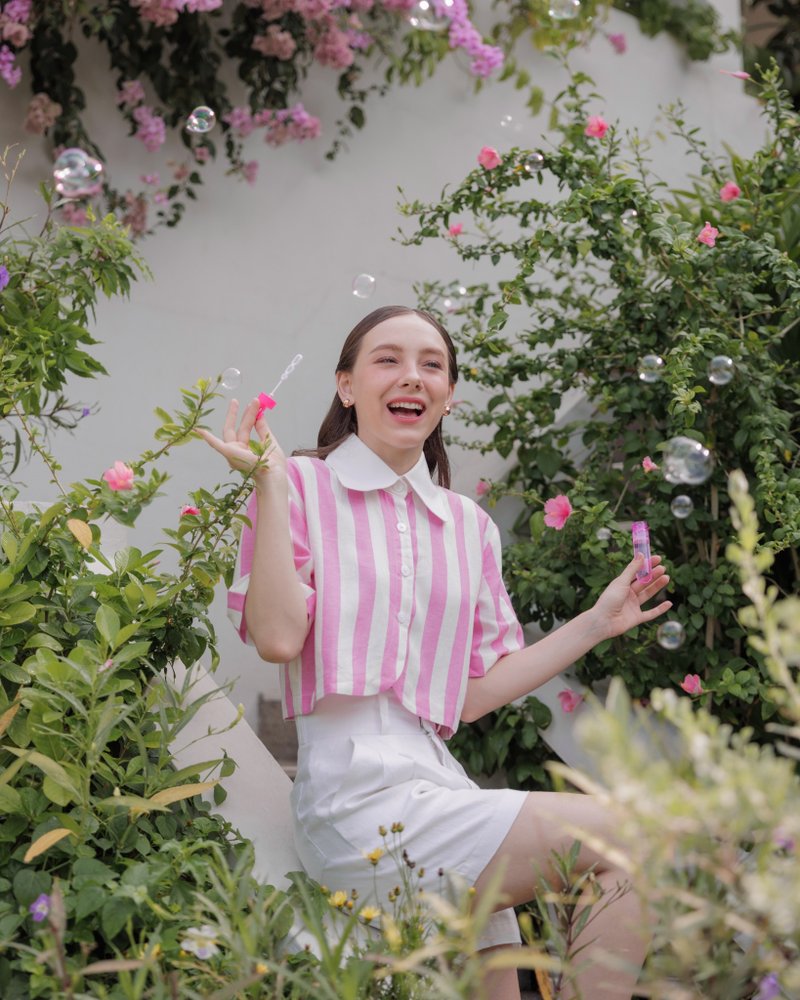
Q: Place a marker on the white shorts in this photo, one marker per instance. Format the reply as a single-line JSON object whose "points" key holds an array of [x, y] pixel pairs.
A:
{"points": [[366, 762]]}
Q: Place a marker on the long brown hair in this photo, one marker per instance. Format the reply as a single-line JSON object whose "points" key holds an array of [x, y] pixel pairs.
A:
{"points": [[340, 421]]}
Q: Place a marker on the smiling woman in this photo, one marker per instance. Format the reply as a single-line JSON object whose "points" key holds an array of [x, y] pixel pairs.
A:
{"points": [[386, 605]]}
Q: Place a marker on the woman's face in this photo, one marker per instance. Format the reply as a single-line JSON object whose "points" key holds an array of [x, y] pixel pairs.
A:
{"points": [[401, 360]]}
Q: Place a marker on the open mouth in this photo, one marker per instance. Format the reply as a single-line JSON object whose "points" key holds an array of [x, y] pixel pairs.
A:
{"points": [[406, 412]]}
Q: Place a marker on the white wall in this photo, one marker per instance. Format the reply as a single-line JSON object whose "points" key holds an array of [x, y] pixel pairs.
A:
{"points": [[253, 275]]}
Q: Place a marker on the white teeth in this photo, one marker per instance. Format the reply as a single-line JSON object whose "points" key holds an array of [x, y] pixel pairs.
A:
{"points": [[413, 407]]}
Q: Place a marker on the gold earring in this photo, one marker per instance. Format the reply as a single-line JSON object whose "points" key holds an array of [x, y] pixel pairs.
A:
{"points": [[447, 410], [346, 402]]}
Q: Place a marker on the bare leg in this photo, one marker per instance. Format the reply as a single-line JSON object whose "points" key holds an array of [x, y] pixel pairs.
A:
{"points": [[543, 826], [503, 984]]}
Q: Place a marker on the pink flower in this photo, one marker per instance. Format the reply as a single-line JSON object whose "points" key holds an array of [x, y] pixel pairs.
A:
{"points": [[130, 94], [648, 464], [729, 191], [482, 488], [74, 214], [150, 178], [708, 235], [691, 684], [456, 229], [489, 158], [557, 512], [738, 73], [105, 666], [119, 477], [619, 43], [569, 700], [250, 171], [202, 153], [596, 127], [187, 510]]}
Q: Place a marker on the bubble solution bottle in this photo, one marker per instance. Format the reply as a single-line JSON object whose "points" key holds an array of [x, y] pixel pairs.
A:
{"points": [[641, 544]]}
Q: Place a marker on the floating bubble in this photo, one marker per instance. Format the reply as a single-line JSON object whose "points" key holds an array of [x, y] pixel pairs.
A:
{"points": [[681, 506], [424, 17], [455, 299], [650, 368], [671, 635], [629, 217], [563, 10], [533, 163], [77, 174], [603, 534], [510, 123], [721, 369], [686, 461], [363, 286], [231, 378], [201, 120]]}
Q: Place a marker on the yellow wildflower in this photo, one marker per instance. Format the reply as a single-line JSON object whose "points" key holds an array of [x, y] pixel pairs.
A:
{"points": [[370, 912], [261, 969], [375, 856], [338, 899]]}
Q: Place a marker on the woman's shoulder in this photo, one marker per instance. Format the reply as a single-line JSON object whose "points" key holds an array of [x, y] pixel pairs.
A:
{"points": [[304, 471], [467, 508]]}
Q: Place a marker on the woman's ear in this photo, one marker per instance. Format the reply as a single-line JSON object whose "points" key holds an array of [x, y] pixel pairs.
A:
{"points": [[343, 384]]}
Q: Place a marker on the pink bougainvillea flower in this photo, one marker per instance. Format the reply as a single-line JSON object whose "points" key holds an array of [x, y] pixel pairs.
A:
{"points": [[569, 700], [482, 488], [691, 684], [648, 464], [596, 127], [557, 511], [738, 73], [119, 476], [729, 191], [619, 43], [489, 158], [188, 511], [456, 229], [708, 235]]}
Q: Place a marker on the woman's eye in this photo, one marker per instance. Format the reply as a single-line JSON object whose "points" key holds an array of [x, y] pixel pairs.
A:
{"points": [[435, 364], [381, 360]]}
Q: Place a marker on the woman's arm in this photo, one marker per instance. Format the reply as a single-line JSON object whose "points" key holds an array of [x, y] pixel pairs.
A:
{"points": [[275, 611], [618, 609]]}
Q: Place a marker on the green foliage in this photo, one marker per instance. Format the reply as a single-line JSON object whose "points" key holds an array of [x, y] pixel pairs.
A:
{"points": [[587, 288], [709, 820], [56, 279]]}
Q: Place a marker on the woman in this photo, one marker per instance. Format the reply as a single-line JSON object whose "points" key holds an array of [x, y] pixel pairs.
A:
{"points": [[385, 601]]}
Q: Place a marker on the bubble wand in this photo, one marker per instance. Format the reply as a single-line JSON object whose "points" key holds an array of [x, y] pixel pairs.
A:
{"points": [[265, 400]]}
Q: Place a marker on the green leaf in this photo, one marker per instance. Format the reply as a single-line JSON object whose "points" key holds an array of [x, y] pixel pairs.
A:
{"points": [[107, 621]]}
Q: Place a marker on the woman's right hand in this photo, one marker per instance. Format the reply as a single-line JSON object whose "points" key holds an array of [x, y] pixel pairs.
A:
{"points": [[234, 444]]}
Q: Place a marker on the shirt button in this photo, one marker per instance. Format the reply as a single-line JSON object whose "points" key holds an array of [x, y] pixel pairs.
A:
{"points": [[402, 618], [405, 571], [399, 488], [402, 527]]}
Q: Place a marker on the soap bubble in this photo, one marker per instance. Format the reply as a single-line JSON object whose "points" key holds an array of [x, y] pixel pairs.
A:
{"points": [[201, 120], [651, 367], [423, 16], [721, 369], [363, 286], [629, 217], [533, 163], [681, 506], [455, 300], [510, 123], [686, 461], [671, 635], [77, 174], [603, 534], [563, 10], [231, 378]]}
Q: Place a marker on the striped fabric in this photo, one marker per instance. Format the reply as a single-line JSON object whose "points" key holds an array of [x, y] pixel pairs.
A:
{"points": [[403, 584]]}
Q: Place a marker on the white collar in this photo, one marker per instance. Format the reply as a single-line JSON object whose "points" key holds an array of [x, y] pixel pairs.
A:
{"points": [[357, 467]]}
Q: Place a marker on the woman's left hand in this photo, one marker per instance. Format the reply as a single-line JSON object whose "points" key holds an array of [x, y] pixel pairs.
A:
{"points": [[619, 608]]}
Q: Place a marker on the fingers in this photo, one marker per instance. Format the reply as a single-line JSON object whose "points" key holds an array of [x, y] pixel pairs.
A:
{"points": [[229, 425], [659, 609]]}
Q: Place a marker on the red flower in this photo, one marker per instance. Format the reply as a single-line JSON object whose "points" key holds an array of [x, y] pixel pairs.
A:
{"points": [[691, 684]]}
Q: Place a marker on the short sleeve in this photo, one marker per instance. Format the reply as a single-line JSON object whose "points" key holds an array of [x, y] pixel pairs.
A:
{"points": [[303, 562], [496, 629]]}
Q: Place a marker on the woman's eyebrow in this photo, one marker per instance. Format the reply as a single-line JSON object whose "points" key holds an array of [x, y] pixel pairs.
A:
{"points": [[396, 347]]}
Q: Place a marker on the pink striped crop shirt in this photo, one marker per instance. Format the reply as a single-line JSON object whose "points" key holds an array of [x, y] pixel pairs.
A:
{"points": [[403, 585]]}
